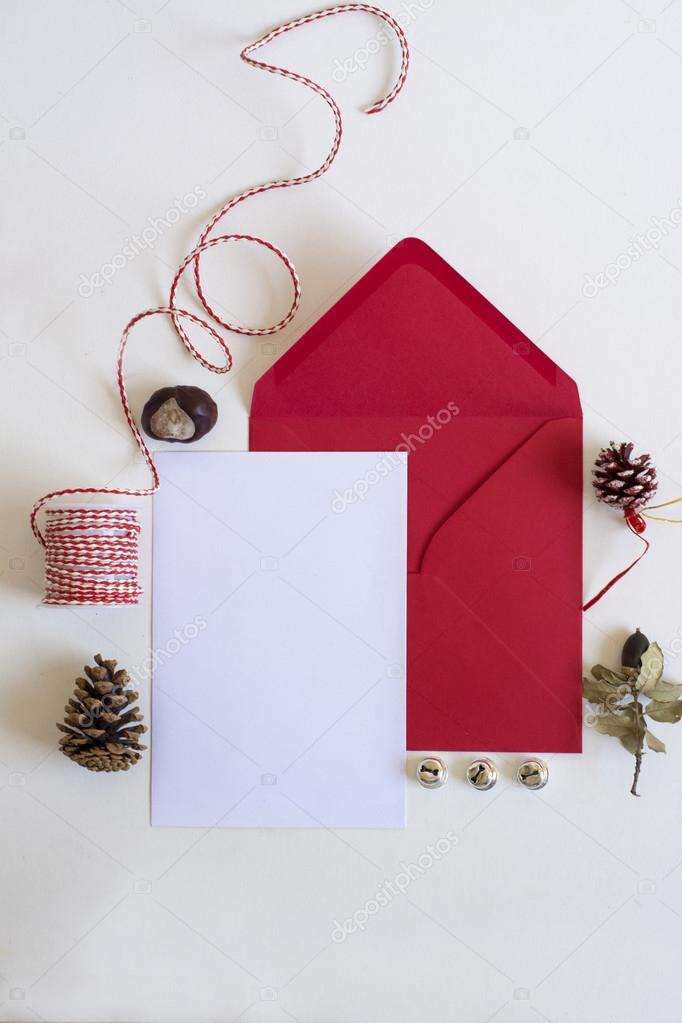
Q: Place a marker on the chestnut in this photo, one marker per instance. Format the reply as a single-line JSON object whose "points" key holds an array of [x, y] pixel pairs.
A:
{"points": [[181, 413]]}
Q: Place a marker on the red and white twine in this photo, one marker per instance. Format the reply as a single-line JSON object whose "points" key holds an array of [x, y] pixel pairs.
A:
{"points": [[92, 554]]}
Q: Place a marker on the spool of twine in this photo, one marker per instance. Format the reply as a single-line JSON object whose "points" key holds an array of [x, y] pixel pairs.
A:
{"points": [[91, 555]]}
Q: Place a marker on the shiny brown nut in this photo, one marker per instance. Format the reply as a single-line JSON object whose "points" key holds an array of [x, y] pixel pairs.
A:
{"points": [[181, 414]]}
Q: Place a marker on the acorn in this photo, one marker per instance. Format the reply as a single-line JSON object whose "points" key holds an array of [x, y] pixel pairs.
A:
{"points": [[183, 414], [633, 648]]}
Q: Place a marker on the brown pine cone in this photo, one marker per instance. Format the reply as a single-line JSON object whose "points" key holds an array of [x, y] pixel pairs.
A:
{"points": [[102, 729], [621, 480]]}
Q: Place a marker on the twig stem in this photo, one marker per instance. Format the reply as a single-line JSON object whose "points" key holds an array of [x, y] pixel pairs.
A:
{"points": [[640, 736]]}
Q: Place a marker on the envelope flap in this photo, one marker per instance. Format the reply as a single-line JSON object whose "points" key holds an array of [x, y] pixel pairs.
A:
{"points": [[410, 337], [522, 510]]}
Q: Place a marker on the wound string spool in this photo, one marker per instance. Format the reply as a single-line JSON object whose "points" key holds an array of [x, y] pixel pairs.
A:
{"points": [[91, 555]]}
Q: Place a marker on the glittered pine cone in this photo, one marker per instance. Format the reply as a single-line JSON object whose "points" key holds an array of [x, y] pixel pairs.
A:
{"points": [[102, 728], [623, 481]]}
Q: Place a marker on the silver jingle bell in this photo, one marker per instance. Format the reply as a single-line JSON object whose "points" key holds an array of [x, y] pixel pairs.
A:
{"points": [[432, 773], [533, 774], [482, 774]]}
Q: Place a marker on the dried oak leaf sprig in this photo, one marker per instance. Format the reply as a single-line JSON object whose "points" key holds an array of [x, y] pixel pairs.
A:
{"points": [[102, 728], [628, 699]]}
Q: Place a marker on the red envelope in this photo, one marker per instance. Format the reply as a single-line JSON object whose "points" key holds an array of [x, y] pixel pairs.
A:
{"points": [[414, 358]]}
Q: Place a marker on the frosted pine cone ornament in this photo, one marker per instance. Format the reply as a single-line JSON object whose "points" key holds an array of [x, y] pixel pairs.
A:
{"points": [[623, 481], [627, 483]]}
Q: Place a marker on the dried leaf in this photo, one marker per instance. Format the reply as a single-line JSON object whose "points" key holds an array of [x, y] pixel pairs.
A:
{"points": [[603, 674], [614, 724], [665, 692], [631, 741], [651, 670], [667, 712], [598, 692], [655, 744]]}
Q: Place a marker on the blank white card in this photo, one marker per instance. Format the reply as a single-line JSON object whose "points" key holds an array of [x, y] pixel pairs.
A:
{"points": [[279, 640]]}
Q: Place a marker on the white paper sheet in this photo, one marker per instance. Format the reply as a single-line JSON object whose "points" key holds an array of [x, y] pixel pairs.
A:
{"points": [[279, 640]]}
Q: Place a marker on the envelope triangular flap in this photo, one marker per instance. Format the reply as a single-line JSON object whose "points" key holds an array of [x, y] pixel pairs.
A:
{"points": [[409, 338]]}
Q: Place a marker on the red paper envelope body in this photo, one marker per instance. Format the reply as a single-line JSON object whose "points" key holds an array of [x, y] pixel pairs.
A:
{"points": [[413, 358]]}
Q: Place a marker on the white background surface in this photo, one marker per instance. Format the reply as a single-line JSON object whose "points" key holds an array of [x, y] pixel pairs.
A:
{"points": [[532, 143]]}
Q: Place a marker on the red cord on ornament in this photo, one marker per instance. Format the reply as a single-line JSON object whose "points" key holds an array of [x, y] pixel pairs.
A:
{"points": [[98, 564], [634, 527]]}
